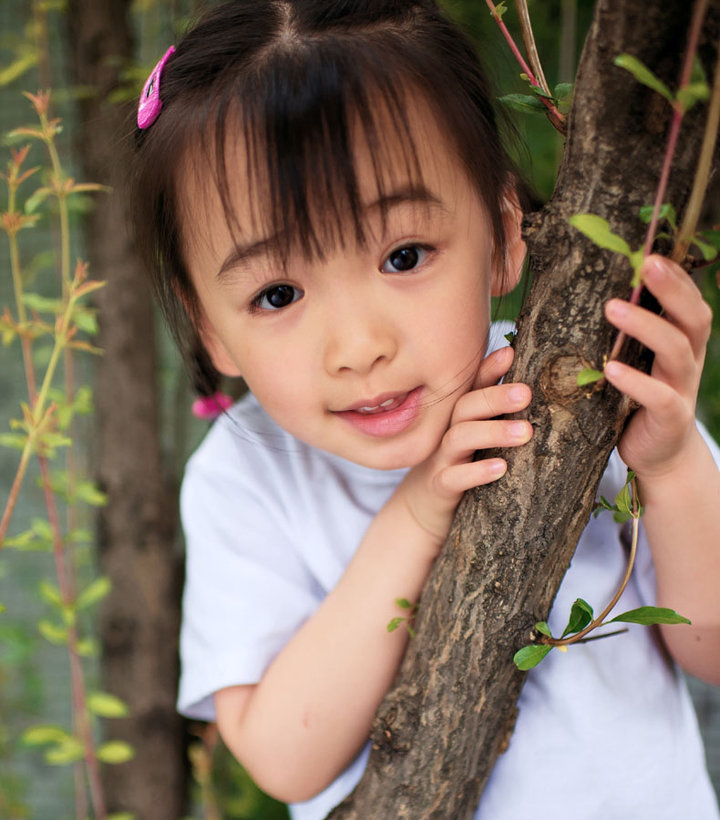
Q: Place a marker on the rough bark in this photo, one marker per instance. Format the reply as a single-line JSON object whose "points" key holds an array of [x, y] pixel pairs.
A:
{"points": [[452, 710], [137, 530]]}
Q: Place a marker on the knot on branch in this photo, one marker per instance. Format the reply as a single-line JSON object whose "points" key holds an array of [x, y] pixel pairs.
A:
{"points": [[395, 721], [558, 379]]}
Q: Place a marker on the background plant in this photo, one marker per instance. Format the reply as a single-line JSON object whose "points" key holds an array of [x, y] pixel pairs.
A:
{"points": [[34, 678]]}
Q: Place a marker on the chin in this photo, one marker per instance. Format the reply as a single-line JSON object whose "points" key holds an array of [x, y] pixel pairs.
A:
{"points": [[405, 458]]}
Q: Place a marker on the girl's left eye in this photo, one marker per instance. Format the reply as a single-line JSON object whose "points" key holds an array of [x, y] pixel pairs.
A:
{"points": [[276, 297], [405, 259]]}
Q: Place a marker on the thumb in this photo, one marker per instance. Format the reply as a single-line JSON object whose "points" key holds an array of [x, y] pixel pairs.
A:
{"points": [[493, 367]]}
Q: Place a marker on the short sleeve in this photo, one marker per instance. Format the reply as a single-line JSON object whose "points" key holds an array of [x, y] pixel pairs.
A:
{"points": [[644, 565], [247, 591]]}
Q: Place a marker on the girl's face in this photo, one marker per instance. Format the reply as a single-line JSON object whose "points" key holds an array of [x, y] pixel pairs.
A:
{"points": [[365, 352]]}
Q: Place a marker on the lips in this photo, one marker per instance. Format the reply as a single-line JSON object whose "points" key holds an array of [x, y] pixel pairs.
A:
{"points": [[386, 415]]}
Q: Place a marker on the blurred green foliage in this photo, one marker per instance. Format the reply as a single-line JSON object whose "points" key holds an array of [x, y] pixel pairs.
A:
{"points": [[559, 26]]}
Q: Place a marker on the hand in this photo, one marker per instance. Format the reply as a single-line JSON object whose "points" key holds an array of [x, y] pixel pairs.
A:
{"points": [[432, 490], [662, 432]]}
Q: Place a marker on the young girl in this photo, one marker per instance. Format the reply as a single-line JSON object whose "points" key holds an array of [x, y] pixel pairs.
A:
{"points": [[327, 209]]}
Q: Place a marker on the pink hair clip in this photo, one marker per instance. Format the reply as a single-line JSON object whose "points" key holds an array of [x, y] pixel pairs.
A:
{"points": [[150, 102], [210, 407]]}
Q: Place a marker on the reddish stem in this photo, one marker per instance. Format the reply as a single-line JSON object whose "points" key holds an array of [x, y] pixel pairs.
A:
{"points": [[76, 674], [677, 118], [556, 117]]}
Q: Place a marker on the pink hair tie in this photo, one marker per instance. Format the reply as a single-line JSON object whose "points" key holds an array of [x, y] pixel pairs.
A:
{"points": [[210, 407], [150, 102]]}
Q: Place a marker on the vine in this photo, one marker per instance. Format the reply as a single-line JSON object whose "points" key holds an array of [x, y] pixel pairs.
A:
{"points": [[43, 431]]}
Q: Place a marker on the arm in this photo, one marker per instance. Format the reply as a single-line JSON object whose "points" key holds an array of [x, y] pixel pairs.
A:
{"points": [[311, 713], [678, 479]]}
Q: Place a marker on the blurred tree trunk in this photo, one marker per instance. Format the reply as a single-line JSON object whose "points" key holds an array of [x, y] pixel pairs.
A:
{"points": [[139, 622], [512, 541]]}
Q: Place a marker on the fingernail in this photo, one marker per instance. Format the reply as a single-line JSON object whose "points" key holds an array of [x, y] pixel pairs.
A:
{"points": [[519, 430], [497, 467], [613, 369], [617, 308], [517, 394], [657, 267]]}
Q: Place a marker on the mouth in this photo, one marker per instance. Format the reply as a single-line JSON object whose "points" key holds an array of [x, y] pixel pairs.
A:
{"points": [[384, 415]]}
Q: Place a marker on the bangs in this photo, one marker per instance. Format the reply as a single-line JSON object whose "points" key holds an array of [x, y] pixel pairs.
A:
{"points": [[272, 107], [301, 121]]}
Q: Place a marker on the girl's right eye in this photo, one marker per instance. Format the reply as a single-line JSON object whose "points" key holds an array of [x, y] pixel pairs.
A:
{"points": [[276, 297]]}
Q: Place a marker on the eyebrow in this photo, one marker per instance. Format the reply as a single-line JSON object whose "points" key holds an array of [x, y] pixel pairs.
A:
{"points": [[269, 246]]}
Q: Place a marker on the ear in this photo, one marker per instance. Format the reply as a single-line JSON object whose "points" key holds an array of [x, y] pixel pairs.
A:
{"points": [[509, 270], [219, 355]]}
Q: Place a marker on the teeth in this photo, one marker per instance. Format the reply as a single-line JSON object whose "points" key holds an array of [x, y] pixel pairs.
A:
{"points": [[378, 407]]}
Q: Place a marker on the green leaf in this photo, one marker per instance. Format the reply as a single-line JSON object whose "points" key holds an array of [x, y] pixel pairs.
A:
{"points": [[394, 623], [588, 375], [17, 68], [510, 337], [598, 231], [106, 705], [543, 628], [500, 10], [563, 90], [86, 320], [38, 537], [530, 656], [115, 751], [697, 74], [42, 735], [87, 648], [643, 75], [708, 251], [649, 615], [693, 93], [42, 304], [34, 201], [16, 646], [88, 492], [15, 440], [523, 102], [54, 634], [666, 212], [581, 613], [636, 260], [93, 593], [70, 750], [50, 593]]}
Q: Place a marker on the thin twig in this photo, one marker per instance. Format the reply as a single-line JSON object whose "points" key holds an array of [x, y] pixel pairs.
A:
{"points": [[702, 172], [530, 47], [554, 115], [677, 118], [596, 622]]}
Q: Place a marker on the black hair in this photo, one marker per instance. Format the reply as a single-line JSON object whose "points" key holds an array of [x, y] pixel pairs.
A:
{"points": [[293, 74]]}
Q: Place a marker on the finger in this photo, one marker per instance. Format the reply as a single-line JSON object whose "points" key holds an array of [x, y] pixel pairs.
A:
{"points": [[675, 361], [489, 402], [662, 402], [493, 367], [462, 440], [680, 298], [460, 477]]}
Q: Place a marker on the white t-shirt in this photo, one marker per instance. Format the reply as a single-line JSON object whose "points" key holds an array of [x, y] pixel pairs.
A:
{"points": [[605, 731]]}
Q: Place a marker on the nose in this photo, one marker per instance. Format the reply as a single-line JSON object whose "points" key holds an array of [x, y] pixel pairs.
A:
{"points": [[358, 337]]}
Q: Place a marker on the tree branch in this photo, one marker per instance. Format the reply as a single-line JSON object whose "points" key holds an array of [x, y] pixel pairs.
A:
{"points": [[511, 543]]}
